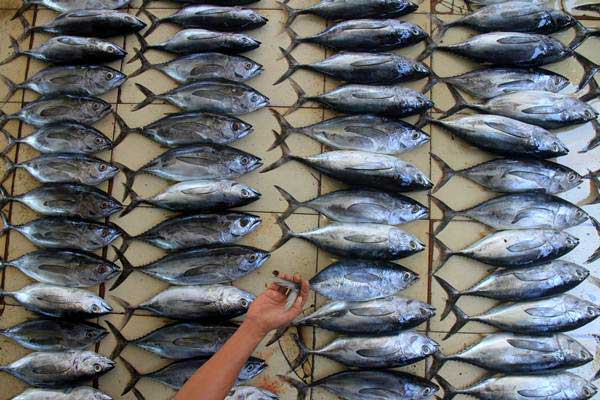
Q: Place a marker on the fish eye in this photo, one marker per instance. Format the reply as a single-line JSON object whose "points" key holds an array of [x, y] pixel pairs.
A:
{"points": [[245, 193], [406, 277], [591, 310], [235, 126], [102, 268], [252, 258], [244, 303], [555, 147], [425, 349], [98, 140], [95, 307], [254, 98], [89, 334], [244, 222], [248, 66], [579, 213], [109, 76], [416, 135], [97, 367], [571, 241], [426, 391], [105, 232], [583, 354], [415, 209], [104, 205], [102, 167], [96, 106], [244, 160], [571, 177], [413, 245]]}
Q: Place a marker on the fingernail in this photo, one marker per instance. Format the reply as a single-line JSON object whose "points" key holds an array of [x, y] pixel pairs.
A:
{"points": [[276, 273]]}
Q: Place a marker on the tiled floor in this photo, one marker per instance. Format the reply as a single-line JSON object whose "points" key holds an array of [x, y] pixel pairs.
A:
{"points": [[295, 256]]}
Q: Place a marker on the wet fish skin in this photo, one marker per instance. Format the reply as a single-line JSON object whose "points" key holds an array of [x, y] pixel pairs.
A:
{"points": [[560, 313], [62, 6], [199, 266], [518, 284], [353, 384], [60, 302], [362, 280], [250, 393], [76, 393], [370, 133], [193, 230], [359, 206], [396, 350], [64, 267], [65, 168], [515, 176], [220, 97], [65, 199], [505, 136], [55, 335], [511, 353], [364, 241]]}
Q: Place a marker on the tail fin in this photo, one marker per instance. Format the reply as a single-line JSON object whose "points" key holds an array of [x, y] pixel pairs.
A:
{"points": [[594, 90], [596, 254], [452, 296], [286, 155], [4, 199], [293, 66], [121, 341], [10, 167], [284, 126], [459, 102], [447, 214], [461, 320], [276, 336], [286, 234], [432, 80], [128, 308], [129, 178], [134, 376], [24, 7], [11, 141], [154, 22], [127, 270], [10, 86], [301, 387], [27, 28], [445, 252], [143, 46], [430, 46], [303, 353], [6, 225], [589, 69], [146, 65], [447, 172], [302, 97], [124, 130], [150, 97], [438, 362], [293, 204], [295, 40], [449, 390], [136, 200], [440, 26], [581, 34], [16, 51], [290, 14], [143, 6]]}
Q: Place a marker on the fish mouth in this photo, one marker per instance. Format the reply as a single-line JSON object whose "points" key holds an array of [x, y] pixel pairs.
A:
{"points": [[262, 259]]}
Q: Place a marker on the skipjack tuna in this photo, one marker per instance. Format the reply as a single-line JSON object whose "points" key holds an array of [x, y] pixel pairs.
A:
{"points": [[62, 6], [72, 393]]}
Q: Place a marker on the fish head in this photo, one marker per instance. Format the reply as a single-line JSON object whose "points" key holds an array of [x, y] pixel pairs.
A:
{"points": [[562, 240], [96, 143], [105, 271], [422, 180], [423, 345], [557, 82], [581, 112], [91, 364], [104, 170], [238, 128], [112, 48], [256, 18], [573, 216], [107, 207], [96, 306], [253, 100], [420, 69], [588, 391], [550, 144], [423, 391], [400, 5], [93, 333], [253, 367], [573, 352], [244, 164], [134, 22], [243, 224], [106, 233], [402, 241], [561, 20], [253, 260], [246, 69], [95, 108], [109, 78], [565, 179], [416, 211], [246, 42], [244, 192]]}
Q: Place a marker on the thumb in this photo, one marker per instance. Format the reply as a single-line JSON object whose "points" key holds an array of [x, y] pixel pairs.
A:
{"points": [[296, 308]]}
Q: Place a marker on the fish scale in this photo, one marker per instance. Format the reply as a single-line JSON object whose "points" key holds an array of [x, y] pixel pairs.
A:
{"points": [[55, 335]]}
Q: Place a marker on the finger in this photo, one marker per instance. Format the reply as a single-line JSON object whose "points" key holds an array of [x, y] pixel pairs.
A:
{"points": [[285, 277], [304, 289], [296, 308], [297, 278]]}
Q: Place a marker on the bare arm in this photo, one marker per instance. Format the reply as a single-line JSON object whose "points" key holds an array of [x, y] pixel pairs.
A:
{"points": [[214, 380]]}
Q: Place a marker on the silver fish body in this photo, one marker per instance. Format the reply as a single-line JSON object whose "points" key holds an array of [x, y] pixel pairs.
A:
{"points": [[216, 18], [60, 302], [73, 50], [59, 369], [250, 393], [92, 23], [55, 335], [355, 9], [197, 40], [72, 393], [62, 6], [64, 267]]}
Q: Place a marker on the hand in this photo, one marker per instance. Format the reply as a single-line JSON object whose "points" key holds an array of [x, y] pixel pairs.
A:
{"points": [[268, 310]]}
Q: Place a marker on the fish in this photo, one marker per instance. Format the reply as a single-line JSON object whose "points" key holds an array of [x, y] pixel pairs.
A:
{"points": [[371, 35], [359, 206], [378, 171], [202, 67], [545, 109], [64, 108], [192, 230], [505, 136], [370, 133], [365, 241], [88, 23], [211, 17], [511, 353], [513, 248], [393, 100], [518, 284], [557, 386], [62, 6], [72, 393], [592, 6], [64, 233], [372, 317], [356, 384], [64, 168], [190, 41], [197, 195], [178, 341], [365, 68], [561, 313], [66, 200], [205, 302], [362, 280], [176, 374], [62, 137], [250, 393], [59, 302], [55, 369], [70, 50], [212, 96], [489, 82], [356, 9], [515, 176], [76, 80], [401, 349], [55, 335], [181, 129], [64, 267], [199, 266]]}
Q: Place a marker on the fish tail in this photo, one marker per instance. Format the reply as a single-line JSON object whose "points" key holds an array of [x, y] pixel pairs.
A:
{"points": [[10, 86], [285, 155], [295, 40], [146, 65], [16, 51], [290, 13], [430, 46], [581, 34], [11, 141], [303, 353], [24, 7], [27, 28], [150, 97], [286, 129], [302, 98], [459, 102], [438, 362], [129, 178], [449, 390], [595, 142], [286, 235], [4, 199], [10, 167], [278, 334], [447, 172], [154, 22], [134, 376], [127, 270], [596, 254], [143, 47], [293, 66], [137, 394], [452, 296], [590, 69], [447, 214], [445, 252], [121, 341], [128, 308], [135, 201], [432, 80], [461, 320], [124, 129], [440, 27], [301, 387], [293, 203]]}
